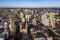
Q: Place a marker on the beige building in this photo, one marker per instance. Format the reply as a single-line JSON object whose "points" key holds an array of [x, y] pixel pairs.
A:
{"points": [[48, 19], [52, 19], [12, 25], [45, 19], [21, 14]]}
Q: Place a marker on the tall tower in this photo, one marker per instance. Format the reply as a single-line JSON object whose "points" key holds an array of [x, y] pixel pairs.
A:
{"points": [[17, 26], [23, 24], [52, 19], [12, 24]]}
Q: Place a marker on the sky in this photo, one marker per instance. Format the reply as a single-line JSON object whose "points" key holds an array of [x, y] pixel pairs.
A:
{"points": [[30, 3]]}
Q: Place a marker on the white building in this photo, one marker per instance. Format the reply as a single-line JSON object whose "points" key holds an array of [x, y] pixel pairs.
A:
{"points": [[45, 20], [21, 14], [23, 20], [27, 17], [34, 21]]}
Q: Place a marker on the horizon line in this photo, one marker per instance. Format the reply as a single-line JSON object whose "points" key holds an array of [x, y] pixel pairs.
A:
{"points": [[29, 7]]}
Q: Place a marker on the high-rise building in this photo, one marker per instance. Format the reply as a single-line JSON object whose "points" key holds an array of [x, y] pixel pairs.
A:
{"points": [[52, 19], [21, 14], [12, 25], [45, 19], [17, 27], [34, 21]]}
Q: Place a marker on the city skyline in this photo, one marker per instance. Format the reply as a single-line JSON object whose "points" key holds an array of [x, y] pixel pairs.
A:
{"points": [[30, 3]]}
